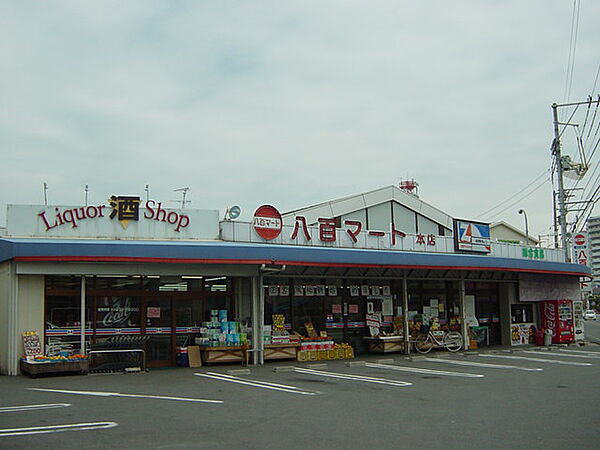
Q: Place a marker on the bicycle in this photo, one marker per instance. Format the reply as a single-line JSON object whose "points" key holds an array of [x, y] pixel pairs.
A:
{"points": [[451, 341]]}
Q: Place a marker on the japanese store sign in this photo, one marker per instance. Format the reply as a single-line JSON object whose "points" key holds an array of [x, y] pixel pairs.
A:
{"points": [[472, 236], [268, 224]]}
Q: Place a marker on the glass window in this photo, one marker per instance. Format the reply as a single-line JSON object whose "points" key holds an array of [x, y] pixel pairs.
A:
{"points": [[117, 312]]}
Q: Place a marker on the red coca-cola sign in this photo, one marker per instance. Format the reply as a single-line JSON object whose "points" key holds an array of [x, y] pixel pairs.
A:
{"points": [[550, 317], [267, 222]]}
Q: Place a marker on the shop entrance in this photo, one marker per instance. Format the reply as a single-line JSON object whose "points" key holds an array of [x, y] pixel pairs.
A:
{"points": [[159, 326], [346, 320]]}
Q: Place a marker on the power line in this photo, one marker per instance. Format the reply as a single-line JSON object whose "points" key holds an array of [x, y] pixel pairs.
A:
{"points": [[512, 196], [520, 199]]}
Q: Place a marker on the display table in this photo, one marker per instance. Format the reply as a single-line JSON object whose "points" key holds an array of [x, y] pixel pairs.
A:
{"points": [[281, 351], [35, 368], [233, 353], [385, 344]]}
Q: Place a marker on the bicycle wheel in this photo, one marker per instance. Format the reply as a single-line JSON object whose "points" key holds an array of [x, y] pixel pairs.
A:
{"points": [[423, 344], [453, 341]]}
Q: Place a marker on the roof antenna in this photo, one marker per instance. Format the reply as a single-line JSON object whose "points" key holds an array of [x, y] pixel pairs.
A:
{"points": [[184, 192], [45, 193]]}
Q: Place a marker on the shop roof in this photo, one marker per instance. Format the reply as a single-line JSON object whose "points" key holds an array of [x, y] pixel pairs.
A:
{"points": [[211, 252], [353, 203]]}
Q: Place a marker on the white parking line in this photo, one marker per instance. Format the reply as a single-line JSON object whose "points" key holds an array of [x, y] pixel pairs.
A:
{"points": [[587, 352], [526, 358], [533, 352], [8, 409], [118, 394], [257, 383], [425, 371], [486, 365], [352, 377], [56, 428]]}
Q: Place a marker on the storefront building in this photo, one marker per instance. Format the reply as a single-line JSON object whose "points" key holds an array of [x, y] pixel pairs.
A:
{"points": [[381, 260]]}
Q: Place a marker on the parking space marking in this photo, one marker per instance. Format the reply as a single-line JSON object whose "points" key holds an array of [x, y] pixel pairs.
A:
{"points": [[343, 376], [257, 383], [118, 394], [9, 409], [537, 352], [423, 371], [587, 352], [527, 358], [485, 365], [57, 428]]}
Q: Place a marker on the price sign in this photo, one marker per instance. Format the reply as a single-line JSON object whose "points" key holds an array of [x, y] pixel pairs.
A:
{"points": [[31, 343]]}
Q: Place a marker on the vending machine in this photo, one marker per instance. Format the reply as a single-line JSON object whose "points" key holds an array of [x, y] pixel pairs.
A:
{"points": [[578, 323], [557, 315]]}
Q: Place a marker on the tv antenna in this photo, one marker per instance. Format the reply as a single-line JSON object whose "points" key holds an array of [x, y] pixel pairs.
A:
{"points": [[184, 191], [86, 194], [147, 189], [45, 193]]}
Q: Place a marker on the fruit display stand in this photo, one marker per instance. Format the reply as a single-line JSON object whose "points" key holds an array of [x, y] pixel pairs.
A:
{"points": [[233, 353], [39, 366], [385, 344], [281, 351]]}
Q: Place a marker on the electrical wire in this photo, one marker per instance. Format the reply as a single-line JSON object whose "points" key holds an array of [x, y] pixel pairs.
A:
{"points": [[572, 49], [512, 196], [520, 199]]}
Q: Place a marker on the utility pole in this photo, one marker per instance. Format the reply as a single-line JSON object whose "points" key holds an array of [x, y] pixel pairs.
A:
{"points": [[562, 218]]}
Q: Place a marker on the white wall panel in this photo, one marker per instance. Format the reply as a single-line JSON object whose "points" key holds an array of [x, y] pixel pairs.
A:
{"points": [[404, 218], [380, 217]]}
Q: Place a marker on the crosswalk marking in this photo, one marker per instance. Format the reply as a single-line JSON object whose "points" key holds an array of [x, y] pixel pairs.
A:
{"points": [[343, 376], [423, 371], [526, 358], [257, 383], [485, 365]]}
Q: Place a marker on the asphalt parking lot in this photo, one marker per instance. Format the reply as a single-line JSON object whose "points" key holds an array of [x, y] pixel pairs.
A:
{"points": [[497, 399]]}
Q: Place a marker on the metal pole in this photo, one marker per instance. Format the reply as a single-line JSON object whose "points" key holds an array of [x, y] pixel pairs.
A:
{"points": [[463, 319], [522, 211], [405, 314], [561, 189], [82, 316]]}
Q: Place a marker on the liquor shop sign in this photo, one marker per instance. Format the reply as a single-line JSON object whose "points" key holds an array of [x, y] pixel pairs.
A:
{"points": [[120, 217]]}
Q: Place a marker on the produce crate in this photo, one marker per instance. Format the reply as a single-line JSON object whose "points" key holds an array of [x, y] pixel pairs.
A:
{"points": [[331, 354], [312, 355], [349, 353], [340, 353], [321, 355], [303, 355]]}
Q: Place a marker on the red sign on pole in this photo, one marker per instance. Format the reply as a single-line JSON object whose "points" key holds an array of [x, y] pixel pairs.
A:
{"points": [[579, 239], [267, 222]]}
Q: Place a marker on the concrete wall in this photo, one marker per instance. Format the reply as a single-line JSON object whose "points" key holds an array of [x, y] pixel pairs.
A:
{"points": [[31, 307], [5, 294]]}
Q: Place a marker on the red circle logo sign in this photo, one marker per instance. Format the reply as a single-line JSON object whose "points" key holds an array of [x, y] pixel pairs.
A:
{"points": [[579, 239], [267, 222]]}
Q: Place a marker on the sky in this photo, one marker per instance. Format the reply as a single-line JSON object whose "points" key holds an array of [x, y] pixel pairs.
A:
{"points": [[290, 103]]}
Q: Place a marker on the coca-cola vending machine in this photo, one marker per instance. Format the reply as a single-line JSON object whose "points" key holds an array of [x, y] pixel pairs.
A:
{"points": [[557, 315]]}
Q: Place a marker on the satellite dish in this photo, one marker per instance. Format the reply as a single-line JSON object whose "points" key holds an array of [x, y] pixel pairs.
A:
{"points": [[233, 212]]}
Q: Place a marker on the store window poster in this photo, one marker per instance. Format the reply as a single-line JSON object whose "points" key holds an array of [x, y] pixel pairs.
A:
{"points": [[354, 290], [353, 308], [374, 290], [364, 290], [284, 291], [320, 290], [387, 306], [336, 308], [332, 291], [273, 291], [386, 290], [299, 291], [310, 291]]}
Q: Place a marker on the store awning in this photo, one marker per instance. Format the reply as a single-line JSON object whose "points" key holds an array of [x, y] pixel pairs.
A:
{"points": [[217, 252]]}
